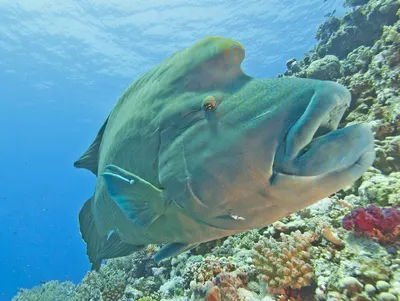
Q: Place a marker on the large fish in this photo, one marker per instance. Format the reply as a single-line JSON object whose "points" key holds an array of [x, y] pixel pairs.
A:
{"points": [[196, 150]]}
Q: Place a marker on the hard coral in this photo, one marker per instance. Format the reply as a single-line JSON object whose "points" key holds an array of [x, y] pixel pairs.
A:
{"points": [[113, 293], [383, 224], [285, 263], [229, 284], [213, 294], [218, 276], [49, 291], [208, 269]]}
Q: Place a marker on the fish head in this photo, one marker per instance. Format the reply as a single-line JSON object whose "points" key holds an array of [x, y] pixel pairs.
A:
{"points": [[238, 153]]}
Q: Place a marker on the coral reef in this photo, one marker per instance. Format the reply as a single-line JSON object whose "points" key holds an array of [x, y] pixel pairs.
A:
{"points": [[49, 291], [381, 190], [362, 27]]}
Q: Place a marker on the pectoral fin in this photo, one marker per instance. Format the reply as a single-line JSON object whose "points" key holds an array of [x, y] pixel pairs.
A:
{"points": [[142, 202], [172, 249]]}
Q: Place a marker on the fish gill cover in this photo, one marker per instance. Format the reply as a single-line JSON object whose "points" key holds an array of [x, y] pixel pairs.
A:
{"points": [[307, 255]]}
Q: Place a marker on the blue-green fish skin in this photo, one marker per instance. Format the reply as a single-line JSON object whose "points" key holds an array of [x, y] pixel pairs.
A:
{"points": [[196, 150]]}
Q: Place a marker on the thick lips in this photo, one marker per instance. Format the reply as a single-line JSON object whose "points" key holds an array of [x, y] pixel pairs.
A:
{"points": [[334, 151], [314, 146]]}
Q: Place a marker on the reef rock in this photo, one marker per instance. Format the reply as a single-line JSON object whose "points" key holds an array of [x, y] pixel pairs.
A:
{"points": [[362, 26], [327, 68]]}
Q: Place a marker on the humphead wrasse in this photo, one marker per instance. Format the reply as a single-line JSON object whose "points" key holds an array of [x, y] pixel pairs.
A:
{"points": [[195, 150]]}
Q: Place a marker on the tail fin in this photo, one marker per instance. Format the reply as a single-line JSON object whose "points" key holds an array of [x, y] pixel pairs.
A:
{"points": [[94, 242]]}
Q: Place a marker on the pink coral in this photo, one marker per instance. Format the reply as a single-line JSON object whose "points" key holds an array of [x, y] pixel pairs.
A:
{"points": [[373, 220]]}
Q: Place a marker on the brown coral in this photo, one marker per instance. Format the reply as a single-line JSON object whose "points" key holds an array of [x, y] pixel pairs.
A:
{"points": [[214, 294], [285, 263]]}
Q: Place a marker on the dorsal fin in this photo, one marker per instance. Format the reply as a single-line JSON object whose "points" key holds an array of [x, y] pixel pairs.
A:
{"points": [[90, 159]]}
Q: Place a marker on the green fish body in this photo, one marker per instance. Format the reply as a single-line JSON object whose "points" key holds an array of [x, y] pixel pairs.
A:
{"points": [[196, 150]]}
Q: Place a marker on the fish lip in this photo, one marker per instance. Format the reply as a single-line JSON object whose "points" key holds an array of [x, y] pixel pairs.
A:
{"points": [[335, 151], [319, 120], [322, 115], [296, 192]]}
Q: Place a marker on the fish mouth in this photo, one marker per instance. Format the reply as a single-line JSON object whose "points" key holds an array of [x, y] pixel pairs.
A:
{"points": [[337, 150], [316, 159], [327, 164], [314, 145]]}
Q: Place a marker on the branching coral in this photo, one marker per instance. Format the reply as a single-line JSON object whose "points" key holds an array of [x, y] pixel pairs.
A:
{"points": [[285, 263], [383, 224]]}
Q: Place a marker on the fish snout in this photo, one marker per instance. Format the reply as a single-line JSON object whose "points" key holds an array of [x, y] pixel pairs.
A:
{"points": [[336, 150], [332, 162], [314, 148]]}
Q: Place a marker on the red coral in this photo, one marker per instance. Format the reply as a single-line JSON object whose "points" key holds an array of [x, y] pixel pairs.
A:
{"points": [[372, 220], [391, 220]]}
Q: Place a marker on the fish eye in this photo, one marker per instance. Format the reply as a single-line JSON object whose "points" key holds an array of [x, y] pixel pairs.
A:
{"points": [[209, 103]]}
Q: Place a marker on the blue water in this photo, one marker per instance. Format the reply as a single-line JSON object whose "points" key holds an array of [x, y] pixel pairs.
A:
{"points": [[63, 64]]}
